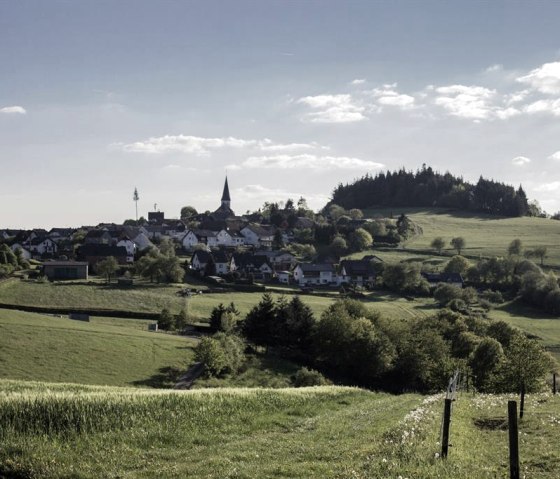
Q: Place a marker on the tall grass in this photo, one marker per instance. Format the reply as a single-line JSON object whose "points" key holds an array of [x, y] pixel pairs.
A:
{"points": [[41, 408]]}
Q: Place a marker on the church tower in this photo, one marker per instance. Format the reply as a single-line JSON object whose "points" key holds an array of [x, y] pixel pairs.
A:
{"points": [[226, 200], [224, 211]]}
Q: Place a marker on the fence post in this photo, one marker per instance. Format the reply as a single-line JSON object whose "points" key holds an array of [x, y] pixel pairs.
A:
{"points": [[445, 432], [553, 383], [513, 441], [522, 404]]}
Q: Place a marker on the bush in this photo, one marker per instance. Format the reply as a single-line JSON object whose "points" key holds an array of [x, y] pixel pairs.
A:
{"points": [[221, 354], [309, 377], [492, 296], [166, 320]]}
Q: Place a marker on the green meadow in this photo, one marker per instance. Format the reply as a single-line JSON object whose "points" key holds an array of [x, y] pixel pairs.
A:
{"points": [[68, 430], [118, 352], [485, 235]]}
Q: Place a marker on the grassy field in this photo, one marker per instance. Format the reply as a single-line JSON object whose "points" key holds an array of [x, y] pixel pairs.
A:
{"points": [[532, 321], [485, 235], [104, 351], [140, 298], [53, 431]]}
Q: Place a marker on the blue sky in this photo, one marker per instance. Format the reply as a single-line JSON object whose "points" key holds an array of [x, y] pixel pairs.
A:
{"points": [[291, 98]]}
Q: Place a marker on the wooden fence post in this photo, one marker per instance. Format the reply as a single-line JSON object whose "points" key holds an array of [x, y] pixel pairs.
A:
{"points": [[522, 404], [513, 441], [553, 383], [445, 431]]}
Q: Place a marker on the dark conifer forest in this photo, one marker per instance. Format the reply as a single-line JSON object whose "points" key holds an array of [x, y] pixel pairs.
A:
{"points": [[429, 188]]}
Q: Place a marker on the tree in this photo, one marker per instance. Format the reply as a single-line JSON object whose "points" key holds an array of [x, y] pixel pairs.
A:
{"points": [[540, 252], [438, 244], [166, 320], [360, 240], [182, 320], [187, 212], [356, 214], [278, 241], [485, 362], [526, 365], [458, 244], [259, 322], [107, 267], [515, 248], [338, 245], [457, 264]]}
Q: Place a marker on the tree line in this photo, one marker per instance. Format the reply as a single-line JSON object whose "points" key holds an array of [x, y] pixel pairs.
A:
{"points": [[428, 188], [352, 344]]}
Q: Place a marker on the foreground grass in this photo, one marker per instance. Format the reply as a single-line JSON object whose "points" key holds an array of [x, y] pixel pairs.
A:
{"points": [[105, 351], [329, 432]]}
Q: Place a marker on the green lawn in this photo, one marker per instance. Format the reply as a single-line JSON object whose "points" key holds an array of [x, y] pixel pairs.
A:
{"points": [[53, 431], [104, 351]]}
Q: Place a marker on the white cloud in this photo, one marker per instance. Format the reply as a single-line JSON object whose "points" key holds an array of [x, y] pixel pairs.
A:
{"points": [[201, 146], [358, 81], [516, 97], [520, 160], [544, 106], [310, 162], [555, 156], [332, 109], [471, 102], [403, 101], [494, 68], [548, 187], [545, 79], [13, 109]]}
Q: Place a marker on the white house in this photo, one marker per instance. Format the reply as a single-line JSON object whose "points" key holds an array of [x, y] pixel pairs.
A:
{"points": [[316, 274], [284, 277], [42, 246], [130, 248], [189, 240], [258, 235]]}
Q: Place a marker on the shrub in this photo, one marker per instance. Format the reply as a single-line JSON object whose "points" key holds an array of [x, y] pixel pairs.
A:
{"points": [[166, 320], [492, 296], [309, 377], [221, 354]]}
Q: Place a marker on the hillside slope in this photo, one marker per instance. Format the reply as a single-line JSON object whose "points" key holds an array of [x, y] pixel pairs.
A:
{"points": [[322, 432], [104, 351]]}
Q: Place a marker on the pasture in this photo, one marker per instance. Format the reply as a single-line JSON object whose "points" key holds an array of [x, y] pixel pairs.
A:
{"points": [[485, 235], [104, 351], [66, 430]]}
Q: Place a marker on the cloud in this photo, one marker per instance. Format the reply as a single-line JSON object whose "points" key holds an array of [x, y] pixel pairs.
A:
{"points": [[202, 146], [543, 106], [555, 156], [548, 187], [471, 102], [545, 79], [358, 81], [520, 160], [387, 95], [402, 101], [309, 161], [494, 68], [332, 109], [13, 109]]}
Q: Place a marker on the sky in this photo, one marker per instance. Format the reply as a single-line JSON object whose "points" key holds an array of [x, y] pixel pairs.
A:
{"points": [[290, 98]]}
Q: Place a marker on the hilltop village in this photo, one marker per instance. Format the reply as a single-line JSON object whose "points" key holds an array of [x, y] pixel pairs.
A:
{"points": [[288, 245]]}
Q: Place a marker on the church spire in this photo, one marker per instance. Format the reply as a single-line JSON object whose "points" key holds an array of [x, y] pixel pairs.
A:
{"points": [[226, 200]]}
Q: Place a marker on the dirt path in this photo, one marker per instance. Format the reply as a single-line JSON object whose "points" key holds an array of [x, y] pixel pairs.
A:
{"points": [[186, 380]]}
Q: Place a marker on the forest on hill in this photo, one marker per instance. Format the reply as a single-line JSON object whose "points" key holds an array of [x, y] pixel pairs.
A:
{"points": [[429, 188]]}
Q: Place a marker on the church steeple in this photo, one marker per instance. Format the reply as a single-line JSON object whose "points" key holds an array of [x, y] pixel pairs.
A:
{"points": [[226, 200]]}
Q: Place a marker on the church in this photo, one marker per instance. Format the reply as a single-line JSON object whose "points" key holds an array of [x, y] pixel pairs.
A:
{"points": [[224, 211]]}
